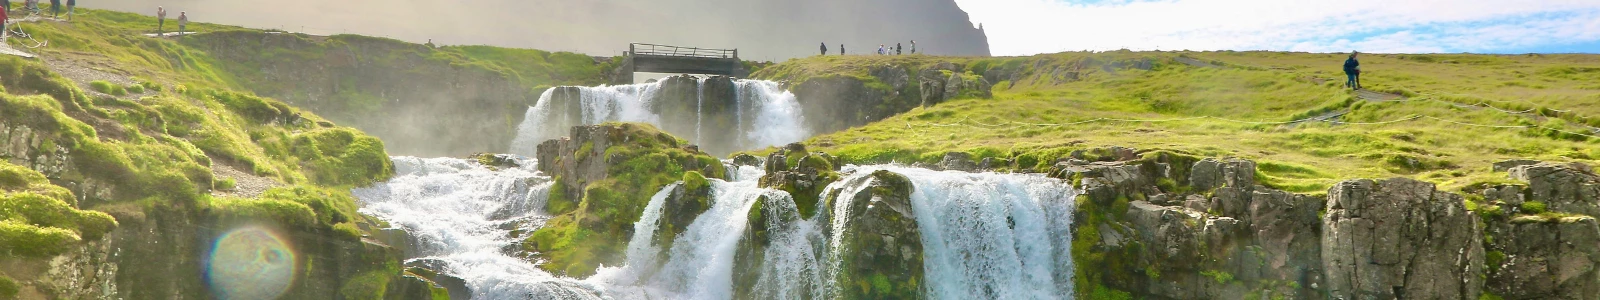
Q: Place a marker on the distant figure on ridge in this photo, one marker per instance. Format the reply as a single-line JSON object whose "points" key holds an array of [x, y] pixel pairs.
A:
{"points": [[5, 22], [161, 21], [183, 22], [824, 48], [913, 46], [1352, 71], [897, 49], [841, 49], [881, 50]]}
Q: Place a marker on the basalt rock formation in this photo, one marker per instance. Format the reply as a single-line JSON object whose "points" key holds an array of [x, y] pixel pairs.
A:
{"points": [[1167, 227]]}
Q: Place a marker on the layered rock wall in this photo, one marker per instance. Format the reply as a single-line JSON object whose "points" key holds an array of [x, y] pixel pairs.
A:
{"points": [[1167, 227]]}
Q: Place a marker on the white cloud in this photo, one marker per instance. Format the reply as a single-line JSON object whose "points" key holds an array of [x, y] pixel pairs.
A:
{"points": [[1022, 27]]}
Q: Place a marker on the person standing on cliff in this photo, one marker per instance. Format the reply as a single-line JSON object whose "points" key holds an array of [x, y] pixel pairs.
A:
{"points": [[841, 49], [1352, 71], [882, 50], [183, 22], [161, 21], [71, 5], [913, 46], [5, 22], [897, 49], [824, 48], [55, 8]]}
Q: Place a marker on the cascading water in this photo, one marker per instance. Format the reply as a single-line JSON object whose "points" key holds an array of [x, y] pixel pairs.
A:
{"points": [[983, 235], [461, 216], [762, 114]]}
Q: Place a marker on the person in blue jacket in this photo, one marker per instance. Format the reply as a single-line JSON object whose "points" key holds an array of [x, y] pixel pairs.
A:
{"points": [[1352, 71]]}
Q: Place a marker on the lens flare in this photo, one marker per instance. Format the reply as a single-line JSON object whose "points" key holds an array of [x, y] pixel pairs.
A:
{"points": [[250, 263]]}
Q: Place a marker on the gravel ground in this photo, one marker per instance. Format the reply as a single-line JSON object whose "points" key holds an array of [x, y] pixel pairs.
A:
{"points": [[246, 185], [84, 72]]}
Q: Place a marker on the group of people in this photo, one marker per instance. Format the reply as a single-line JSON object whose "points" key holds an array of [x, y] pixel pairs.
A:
{"points": [[161, 21], [32, 6], [882, 49]]}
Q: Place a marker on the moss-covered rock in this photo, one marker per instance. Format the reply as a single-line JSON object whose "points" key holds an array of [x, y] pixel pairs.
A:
{"points": [[882, 248], [802, 174], [605, 174]]}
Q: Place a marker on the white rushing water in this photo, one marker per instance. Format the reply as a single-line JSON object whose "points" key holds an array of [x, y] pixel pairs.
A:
{"points": [[461, 216], [984, 235], [764, 113]]}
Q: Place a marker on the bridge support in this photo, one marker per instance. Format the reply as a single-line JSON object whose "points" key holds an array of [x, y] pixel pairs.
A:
{"points": [[679, 60]]}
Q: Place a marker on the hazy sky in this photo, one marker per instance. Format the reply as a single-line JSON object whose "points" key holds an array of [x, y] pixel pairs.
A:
{"points": [[1021, 27]]}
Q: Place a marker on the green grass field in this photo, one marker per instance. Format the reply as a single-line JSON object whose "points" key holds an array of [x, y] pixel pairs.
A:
{"points": [[1463, 113]]}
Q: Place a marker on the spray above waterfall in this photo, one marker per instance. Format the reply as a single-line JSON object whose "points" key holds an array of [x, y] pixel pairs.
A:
{"points": [[720, 114]]}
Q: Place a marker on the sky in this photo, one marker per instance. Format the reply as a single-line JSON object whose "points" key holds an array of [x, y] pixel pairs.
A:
{"points": [[1025, 27]]}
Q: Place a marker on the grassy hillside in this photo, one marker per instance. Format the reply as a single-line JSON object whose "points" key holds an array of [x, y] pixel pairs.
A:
{"points": [[111, 127], [1462, 112], [413, 96]]}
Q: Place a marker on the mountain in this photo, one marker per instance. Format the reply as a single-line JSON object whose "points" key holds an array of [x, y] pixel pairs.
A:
{"points": [[768, 30]]}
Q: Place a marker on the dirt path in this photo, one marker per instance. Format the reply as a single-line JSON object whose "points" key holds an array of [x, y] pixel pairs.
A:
{"points": [[1378, 96], [85, 69]]}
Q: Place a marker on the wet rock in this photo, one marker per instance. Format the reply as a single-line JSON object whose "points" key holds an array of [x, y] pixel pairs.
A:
{"points": [[685, 202], [1570, 187], [1400, 238], [836, 103], [958, 161], [771, 217], [496, 161], [1506, 165], [883, 242], [746, 160], [991, 163], [803, 175]]}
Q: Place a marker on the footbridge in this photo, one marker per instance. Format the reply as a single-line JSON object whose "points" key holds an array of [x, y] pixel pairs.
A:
{"points": [[679, 60]]}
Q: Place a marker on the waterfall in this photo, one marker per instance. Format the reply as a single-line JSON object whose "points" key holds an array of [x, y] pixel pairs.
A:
{"points": [[461, 216], [993, 236], [984, 235], [762, 113]]}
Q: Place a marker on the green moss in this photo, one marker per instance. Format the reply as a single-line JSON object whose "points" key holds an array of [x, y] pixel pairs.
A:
{"points": [[25, 240], [1221, 277], [591, 230], [1533, 207], [342, 156], [370, 285], [135, 89], [1494, 259], [8, 287], [226, 184], [100, 86], [285, 213], [692, 180]]}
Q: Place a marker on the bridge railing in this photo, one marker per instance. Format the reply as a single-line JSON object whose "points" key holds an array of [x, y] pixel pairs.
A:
{"points": [[665, 50]]}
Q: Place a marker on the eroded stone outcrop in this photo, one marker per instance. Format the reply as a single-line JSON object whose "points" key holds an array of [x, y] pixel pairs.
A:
{"points": [[1400, 238], [604, 176], [881, 242], [1165, 226], [838, 102]]}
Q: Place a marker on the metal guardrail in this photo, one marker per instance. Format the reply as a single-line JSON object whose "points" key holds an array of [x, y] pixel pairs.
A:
{"points": [[676, 51]]}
